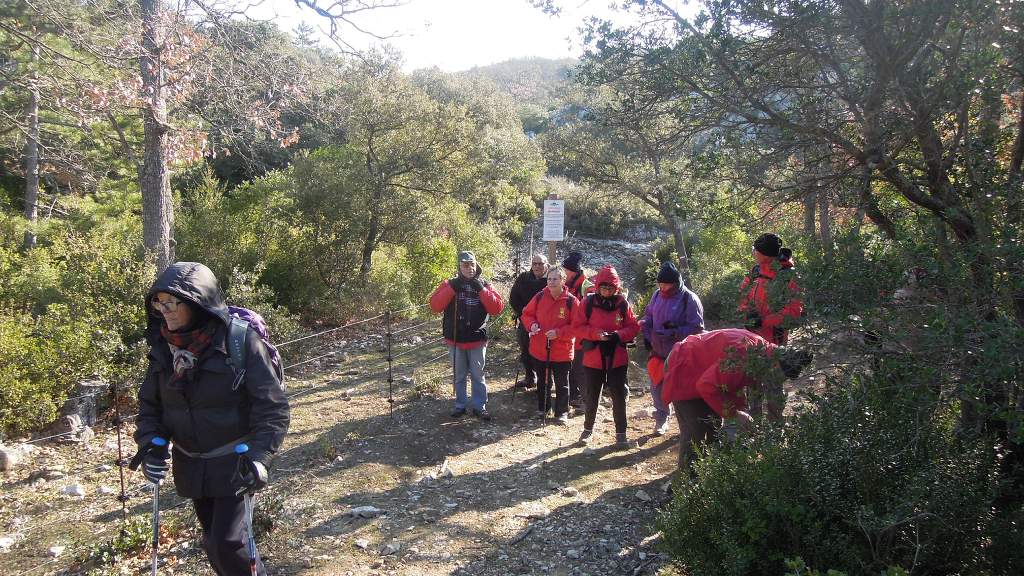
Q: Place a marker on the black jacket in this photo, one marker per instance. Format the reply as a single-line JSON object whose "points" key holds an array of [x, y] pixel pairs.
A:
{"points": [[207, 414], [525, 287]]}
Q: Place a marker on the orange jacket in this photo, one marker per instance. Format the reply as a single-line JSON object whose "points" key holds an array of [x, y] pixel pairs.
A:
{"points": [[551, 313], [776, 316]]}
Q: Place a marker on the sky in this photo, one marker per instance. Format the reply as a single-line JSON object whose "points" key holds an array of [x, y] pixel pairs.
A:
{"points": [[456, 35]]}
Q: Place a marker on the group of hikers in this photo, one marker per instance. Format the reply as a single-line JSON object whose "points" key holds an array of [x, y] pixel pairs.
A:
{"points": [[573, 333], [213, 393]]}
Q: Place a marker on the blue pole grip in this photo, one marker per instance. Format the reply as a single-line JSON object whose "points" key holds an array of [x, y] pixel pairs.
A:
{"points": [[241, 448], [158, 441]]}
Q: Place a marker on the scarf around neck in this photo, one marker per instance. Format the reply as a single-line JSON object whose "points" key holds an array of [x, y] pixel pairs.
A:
{"points": [[187, 347]]}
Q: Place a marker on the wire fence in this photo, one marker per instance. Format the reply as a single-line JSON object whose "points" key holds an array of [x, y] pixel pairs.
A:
{"points": [[369, 369]]}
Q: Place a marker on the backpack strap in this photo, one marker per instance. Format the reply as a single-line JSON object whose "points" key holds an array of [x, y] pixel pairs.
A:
{"points": [[238, 331], [568, 304]]}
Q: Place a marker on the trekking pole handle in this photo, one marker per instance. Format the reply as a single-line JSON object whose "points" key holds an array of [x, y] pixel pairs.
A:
{"points": [[241, 448]]}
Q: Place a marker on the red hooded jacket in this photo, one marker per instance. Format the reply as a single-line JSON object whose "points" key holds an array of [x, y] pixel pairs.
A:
{"points": [[754, 290], [551, 313], [601, 320], [694, 369]]}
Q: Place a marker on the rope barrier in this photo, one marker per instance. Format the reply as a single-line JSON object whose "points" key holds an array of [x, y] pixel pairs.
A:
{"points": [[125, 494], [420, 325], [428, 343], [328, 331]]}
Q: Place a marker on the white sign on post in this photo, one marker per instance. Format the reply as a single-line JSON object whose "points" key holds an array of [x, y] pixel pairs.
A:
{"points": [[554, 220]]}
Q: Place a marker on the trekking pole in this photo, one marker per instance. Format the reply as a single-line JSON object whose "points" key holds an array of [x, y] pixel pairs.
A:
{"points": [[156, 441], [515, 382], [241, 449], [547, 375], [455, 341], [391, 379]]}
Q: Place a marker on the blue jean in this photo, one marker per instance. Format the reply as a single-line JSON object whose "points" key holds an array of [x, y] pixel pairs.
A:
{"points": [[469, 362], [660, 408]]}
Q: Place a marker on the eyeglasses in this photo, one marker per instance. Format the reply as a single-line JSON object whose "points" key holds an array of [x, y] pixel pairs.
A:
{"points": [[606, 287], [165, 306]]}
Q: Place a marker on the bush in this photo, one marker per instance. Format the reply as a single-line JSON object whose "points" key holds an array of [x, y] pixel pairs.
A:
{"points": [[869, 477], [604, 214], [73, 310]]}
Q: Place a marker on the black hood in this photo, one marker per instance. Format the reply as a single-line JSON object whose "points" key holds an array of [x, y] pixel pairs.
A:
{"points": [[189, 281]]}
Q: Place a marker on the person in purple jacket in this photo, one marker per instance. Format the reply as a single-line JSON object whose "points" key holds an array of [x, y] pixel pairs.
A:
{"points": [[673, 313]]}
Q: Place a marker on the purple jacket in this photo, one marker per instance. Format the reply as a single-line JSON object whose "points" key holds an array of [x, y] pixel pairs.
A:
{"points": [[682, 308]]}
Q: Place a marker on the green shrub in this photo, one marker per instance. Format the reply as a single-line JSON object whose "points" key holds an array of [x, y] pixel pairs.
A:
{"points": [[868, 477]]}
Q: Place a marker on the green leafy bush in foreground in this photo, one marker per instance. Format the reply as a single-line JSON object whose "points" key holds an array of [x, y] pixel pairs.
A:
{"points": [[865, 479]]}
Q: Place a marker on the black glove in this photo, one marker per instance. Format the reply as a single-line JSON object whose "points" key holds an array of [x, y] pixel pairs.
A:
{"points": [[250, 476], [753, 320], [476, 283], [613, 337], [153, 458], [670, 325], [456, 283], [647, 345]]}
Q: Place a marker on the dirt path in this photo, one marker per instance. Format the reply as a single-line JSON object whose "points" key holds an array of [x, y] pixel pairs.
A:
{"points": [[510, 496]]}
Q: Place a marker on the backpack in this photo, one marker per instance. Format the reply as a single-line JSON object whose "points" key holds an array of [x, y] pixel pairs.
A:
{"points": [[238, 330]]}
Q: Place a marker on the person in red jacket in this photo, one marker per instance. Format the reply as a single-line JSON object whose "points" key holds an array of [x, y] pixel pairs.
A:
{"points": [[465, 302], [770, 295], [711, 376], [578, 285], [605, 322], [549, 319]]}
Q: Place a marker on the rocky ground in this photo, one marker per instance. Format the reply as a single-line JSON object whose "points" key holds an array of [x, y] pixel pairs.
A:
{"points": [[364, 486], [359, 490]]}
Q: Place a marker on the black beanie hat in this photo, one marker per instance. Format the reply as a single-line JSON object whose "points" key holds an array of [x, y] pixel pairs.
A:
{"points": [[572, 261], [669, 273], [768, 244]]}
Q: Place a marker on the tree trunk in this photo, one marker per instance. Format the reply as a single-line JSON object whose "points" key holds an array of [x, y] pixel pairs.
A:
{"points": [[369, 245], [32, 154], [1014, 215], [869, 205], [679, 238], [825, 220], [157, 207], [809, 208]]}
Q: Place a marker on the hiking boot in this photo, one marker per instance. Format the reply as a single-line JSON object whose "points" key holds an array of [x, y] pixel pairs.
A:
{"points": [[621, 441], [585, 436], [482, 414], [458, 413], [660, 429], [525, 384], [562, 419]]}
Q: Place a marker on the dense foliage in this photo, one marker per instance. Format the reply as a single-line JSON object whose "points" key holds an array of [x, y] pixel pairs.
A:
{"points": [[315, 185]]}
